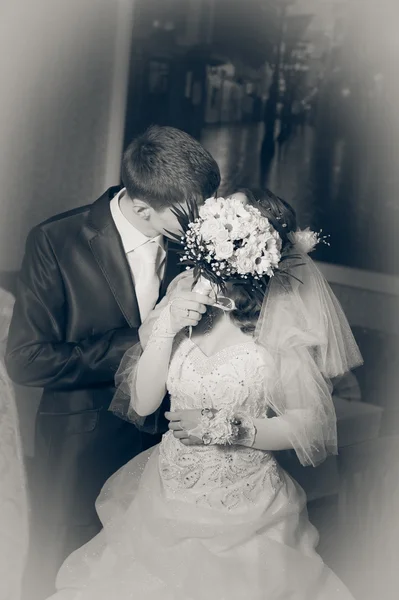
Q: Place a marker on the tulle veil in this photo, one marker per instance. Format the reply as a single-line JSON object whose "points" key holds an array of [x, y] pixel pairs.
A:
{"points": [[303, 327]]}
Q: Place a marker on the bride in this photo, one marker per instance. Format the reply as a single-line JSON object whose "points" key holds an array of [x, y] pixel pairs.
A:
{"points": [[209, 514]]}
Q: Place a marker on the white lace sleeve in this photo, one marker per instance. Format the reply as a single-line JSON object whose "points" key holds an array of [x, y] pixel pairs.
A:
{"points": [[125, 398]]}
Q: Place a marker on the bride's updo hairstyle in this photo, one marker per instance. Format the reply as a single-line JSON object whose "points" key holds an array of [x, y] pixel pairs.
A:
{"points": [[283, 218]]}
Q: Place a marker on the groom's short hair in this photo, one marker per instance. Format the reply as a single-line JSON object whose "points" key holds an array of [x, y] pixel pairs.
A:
{"points": [[165, 166]]}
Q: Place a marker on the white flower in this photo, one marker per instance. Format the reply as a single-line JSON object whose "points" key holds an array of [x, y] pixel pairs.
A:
{"points": [[204, 212], [221, 236], [247, 250], [243, 227], [264, 267], [278, 239], [195, 229], [224, 221], [210, 228], [211, 208], [224, 250], [221, 429], [236, 228], [259, 240], [245, 265], [264, 224], [271, 246], [252, 224], [304, 240], [229, 210], [253, 211], [269, 272], [239, 207], [252, 259]]}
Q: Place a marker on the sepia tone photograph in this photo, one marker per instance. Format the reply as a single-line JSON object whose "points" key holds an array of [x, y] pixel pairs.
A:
{"points": [[199, 292]]}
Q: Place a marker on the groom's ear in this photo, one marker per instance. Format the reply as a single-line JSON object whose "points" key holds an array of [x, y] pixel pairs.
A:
{"points": [[141, 209]]}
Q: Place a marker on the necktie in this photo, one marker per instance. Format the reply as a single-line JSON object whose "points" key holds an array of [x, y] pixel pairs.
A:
{"points": [[148, 280]]}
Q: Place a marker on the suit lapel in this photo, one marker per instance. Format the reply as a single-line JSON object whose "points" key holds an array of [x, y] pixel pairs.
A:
{"points": [[107, 249]]}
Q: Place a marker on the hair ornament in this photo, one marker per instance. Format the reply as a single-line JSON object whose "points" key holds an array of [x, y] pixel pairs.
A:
{"points": [[306, 240]]}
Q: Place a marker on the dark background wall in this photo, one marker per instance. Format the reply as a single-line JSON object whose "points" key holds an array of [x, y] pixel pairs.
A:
{"points": [[301, 98]]}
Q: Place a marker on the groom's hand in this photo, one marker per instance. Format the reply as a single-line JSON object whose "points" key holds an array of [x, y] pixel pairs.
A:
{"points": [[187, 309]]}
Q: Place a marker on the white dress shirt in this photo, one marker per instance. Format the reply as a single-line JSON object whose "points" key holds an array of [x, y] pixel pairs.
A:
{"points": [[146, 258]]}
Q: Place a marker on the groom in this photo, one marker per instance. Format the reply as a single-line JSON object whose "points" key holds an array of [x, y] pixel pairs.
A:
{"points": [[89, 279]]}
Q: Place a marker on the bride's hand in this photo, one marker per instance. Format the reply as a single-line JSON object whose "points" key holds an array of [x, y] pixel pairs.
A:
{"points": [[182, 422]]}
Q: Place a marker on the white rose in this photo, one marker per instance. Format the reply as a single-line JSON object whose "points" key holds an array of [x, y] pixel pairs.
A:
{"points": [[210, 228], [244, 265], [244, 251], [221, 236], [224, 250]]}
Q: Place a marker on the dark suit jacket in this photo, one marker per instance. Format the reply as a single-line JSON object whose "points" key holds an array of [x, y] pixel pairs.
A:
{"points": [[76, 310]]}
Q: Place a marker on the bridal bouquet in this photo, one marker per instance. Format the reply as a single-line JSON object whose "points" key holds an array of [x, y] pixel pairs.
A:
{"points": [[226, 239]]}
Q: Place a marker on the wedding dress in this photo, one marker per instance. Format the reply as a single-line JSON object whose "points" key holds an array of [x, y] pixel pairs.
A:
{"points": [[13, 499], [203, 522]]}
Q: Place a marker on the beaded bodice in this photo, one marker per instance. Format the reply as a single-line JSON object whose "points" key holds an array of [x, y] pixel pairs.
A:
{"points": [[228, 477], [233, 376]]}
